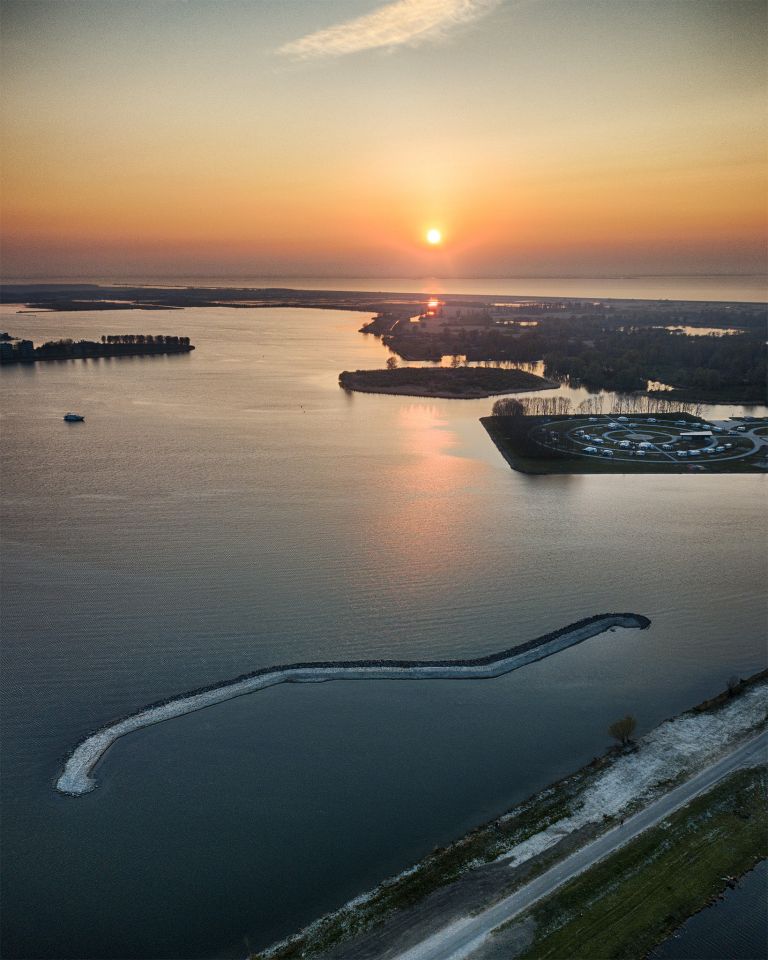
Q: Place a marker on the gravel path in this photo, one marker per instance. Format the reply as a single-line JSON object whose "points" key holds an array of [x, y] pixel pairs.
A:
{"points": [[464, 937]]}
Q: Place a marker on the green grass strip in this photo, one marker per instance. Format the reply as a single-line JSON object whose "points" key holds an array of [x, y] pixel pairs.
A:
{"points": [[625, 905]]}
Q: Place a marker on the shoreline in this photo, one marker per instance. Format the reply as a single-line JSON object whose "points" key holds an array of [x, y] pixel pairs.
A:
{"points": [[444, 394], [730, 885], [632, 901], [446, 383], [455, 883], [75, 780], [105, 356], [40, 291]]}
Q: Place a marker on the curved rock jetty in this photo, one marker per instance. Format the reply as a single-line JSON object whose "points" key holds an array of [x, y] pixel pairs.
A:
{"points": [[76, 780]]}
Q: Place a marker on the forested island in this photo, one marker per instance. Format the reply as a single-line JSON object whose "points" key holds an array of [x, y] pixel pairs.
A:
{"points": [[624, 348], [447, 382], [117, 345]]}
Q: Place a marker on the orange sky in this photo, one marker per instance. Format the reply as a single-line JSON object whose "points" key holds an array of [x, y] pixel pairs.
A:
{"points": [[552, 138]]}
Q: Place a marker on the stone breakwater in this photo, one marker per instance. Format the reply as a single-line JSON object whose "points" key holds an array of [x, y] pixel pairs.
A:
{"points": [[76, 778]]}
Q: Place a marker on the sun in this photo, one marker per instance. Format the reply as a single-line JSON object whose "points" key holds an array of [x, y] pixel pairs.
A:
{"points": [[434, 236]]}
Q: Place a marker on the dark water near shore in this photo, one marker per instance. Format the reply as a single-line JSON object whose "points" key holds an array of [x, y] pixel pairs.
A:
{"points": [[234, 508], [735, 928]]}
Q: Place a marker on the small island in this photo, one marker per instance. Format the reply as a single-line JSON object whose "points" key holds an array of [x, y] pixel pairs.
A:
{"points": [[465, 383], [117, 345]]}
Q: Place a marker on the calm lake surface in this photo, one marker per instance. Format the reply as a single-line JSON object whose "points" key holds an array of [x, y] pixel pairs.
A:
{"points": [[234, 508]]}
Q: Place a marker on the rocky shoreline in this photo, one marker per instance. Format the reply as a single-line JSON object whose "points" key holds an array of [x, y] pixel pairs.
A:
{"points": [[76, 779]]}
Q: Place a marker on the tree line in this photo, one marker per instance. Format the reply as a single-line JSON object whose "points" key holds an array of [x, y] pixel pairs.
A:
{"points": [[157, 339], [604, 356], [122, 345], [630, 404]]}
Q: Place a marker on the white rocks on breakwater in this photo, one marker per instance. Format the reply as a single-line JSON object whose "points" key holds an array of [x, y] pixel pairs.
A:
{"points": [[76, 780]]}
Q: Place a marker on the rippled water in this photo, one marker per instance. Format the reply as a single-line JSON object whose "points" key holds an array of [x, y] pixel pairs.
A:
{"points": [[234, 508], [736, 927]]}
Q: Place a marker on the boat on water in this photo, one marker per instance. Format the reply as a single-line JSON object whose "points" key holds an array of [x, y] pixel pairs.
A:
{"points": [[73, 418]]}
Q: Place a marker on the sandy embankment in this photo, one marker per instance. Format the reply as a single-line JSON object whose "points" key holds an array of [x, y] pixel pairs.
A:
{"points": [[76, 778]]}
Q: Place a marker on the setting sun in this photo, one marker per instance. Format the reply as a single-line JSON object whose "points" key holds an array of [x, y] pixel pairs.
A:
{"points": [[434, 236]]}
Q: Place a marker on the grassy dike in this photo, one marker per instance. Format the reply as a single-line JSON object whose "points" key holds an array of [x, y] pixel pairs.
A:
{"points": [[443, 866], [633, 900], [470, 867]]}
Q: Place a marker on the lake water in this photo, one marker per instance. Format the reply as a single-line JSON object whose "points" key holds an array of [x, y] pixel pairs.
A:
{"points": [[735, 927], [234, 508]]}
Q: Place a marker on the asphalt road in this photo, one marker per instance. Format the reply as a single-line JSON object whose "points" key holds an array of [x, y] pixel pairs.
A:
{"points": [[462, 937]]}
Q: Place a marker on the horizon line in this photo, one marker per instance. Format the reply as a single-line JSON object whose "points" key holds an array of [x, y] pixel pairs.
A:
{"points": [[369, 276]]}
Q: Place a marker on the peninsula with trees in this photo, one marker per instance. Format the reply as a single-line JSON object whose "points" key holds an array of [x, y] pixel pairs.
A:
{"points": [[701, 352]]}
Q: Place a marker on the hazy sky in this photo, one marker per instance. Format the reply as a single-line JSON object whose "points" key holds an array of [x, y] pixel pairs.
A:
{"points": [[324, 137]]}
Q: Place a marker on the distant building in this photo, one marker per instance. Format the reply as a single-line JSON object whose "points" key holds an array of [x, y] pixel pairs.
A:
{"points": [[461, 315], [16, 350]]}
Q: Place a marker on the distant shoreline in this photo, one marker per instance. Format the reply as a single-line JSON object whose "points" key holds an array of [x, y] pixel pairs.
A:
{"points": [[149, 296], [749, 288]]}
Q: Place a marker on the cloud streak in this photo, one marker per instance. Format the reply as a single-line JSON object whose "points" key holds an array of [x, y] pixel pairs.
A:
{"points": [[410, 22]]}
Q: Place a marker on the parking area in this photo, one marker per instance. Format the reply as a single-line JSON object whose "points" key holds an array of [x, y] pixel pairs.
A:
{"points": [[633, 439]]}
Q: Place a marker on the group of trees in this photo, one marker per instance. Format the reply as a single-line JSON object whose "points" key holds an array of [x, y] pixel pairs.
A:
{"points": [[627, 359], [597, 352], [532, 407], [638, 404], [629, 404], [157, 339], [109, 346]]}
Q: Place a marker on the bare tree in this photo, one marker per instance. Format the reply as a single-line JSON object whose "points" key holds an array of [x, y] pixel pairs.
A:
{"points": [[623, 729], [391, 363]]}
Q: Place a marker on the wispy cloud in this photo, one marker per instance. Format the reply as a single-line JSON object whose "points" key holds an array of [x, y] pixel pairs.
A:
{"points": [[391, 25]]}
